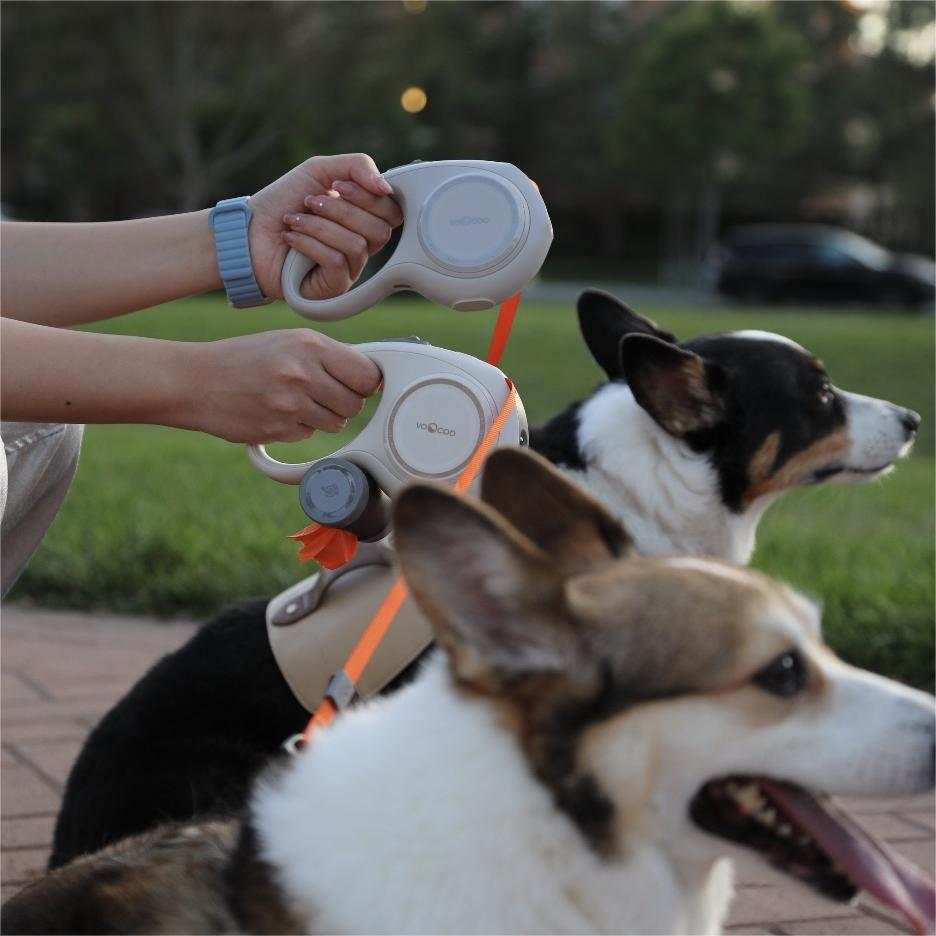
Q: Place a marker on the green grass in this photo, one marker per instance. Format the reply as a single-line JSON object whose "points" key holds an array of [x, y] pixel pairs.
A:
{"points": [[170, 522]]}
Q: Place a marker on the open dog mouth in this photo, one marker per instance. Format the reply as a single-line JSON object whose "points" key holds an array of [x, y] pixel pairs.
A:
{"points": [[805, 836]]}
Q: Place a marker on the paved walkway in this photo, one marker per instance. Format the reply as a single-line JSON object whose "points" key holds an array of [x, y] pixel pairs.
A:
{"points": [[62, 671]]}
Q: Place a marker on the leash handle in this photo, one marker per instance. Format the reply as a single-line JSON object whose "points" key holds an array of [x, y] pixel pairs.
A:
{"points": [[380, 623]]}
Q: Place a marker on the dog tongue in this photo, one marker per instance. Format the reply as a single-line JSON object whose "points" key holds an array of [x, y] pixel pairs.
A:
{"points": [[869, 864]]}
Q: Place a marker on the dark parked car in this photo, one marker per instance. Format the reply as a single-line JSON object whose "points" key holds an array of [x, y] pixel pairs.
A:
{"points": [[783, 262]]}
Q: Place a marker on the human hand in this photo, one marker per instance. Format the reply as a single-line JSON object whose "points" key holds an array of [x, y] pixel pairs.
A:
{"points": [[277, 386], [336, 210]]}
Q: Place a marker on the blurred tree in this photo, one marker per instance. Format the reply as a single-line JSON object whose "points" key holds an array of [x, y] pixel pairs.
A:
{"points": [[471, 59], [871, 133], [898, 97], [622, 112], [123, 108], [714, 101], [581, 49]]}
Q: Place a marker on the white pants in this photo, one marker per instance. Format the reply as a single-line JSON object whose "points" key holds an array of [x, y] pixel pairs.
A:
{"points": [[38, 463]]}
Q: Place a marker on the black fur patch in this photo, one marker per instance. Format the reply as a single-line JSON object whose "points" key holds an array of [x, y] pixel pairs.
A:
{"points": [[769, 387], [552, 739], [557, 440], [186, 741]]}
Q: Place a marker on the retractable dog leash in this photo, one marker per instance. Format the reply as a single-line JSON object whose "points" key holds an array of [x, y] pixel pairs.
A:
{"points": [[474, 234], [434, 410]]}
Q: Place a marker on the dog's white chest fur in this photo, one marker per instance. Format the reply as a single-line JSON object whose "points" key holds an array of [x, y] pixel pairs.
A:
{"points": [[666, 496], [443, 829]]}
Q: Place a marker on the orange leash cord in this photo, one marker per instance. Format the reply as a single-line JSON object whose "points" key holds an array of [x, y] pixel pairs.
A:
{"points": [[505, 320], [374, 633]]}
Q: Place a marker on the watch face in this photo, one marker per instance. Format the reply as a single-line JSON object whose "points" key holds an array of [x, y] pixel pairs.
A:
{"points": [[473, 223]]}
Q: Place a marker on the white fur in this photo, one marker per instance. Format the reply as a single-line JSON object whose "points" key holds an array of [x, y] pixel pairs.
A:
{"points": [[666, 495], [756, 335], [876, 436], [418, 813]]}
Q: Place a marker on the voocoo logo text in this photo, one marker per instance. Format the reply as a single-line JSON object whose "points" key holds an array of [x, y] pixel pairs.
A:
{"points": [[435, 429]]}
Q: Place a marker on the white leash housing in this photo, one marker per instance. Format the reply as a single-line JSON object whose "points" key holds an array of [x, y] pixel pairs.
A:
{"points": [[474, 233]]}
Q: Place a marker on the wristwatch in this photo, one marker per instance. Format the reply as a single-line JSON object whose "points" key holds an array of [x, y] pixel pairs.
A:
{"points": [[229, 220]]}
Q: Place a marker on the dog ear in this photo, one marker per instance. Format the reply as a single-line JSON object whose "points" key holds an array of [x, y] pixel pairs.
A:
{"points": [[605, 321], [490, 594], [680, 390], [559, 516]]}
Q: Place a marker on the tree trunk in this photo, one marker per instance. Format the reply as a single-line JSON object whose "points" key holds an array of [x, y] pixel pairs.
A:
{"points": [[676, 240], [612, 231], [709, 218]]}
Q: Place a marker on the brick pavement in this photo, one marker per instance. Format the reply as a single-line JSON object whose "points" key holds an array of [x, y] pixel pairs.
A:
{"points": [[61, 671]]}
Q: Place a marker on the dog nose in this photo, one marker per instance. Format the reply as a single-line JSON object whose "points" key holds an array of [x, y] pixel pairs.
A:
{"points": [[911, 422]]}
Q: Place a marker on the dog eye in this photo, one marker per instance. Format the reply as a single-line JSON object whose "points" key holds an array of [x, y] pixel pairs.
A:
{"points": [[825, 394], [785, 676]]}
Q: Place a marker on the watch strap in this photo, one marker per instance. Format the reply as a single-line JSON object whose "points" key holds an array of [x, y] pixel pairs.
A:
{"points": [[229, 221]]}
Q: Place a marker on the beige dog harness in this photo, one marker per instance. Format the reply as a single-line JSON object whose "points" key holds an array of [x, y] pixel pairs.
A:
{"points": [[314, 625]]}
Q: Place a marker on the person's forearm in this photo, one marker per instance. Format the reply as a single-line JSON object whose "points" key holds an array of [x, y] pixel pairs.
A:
{"points": [[67, 274], [57, 375]]}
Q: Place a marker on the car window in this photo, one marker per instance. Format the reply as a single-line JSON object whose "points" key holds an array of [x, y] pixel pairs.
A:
{"points": [[841, 251], [831, 256], [864, 251], [771, 253]]}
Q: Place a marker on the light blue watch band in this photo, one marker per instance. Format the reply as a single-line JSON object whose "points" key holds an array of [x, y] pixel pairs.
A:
{"points": [[229, 220]]}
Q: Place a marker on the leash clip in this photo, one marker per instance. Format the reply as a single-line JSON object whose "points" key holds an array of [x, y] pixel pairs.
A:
{"points": [[294, 744], [341, 690]]}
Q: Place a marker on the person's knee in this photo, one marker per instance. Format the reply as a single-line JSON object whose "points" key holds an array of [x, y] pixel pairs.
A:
{"points": [[69, 450], [56, 459], [41, 461]]}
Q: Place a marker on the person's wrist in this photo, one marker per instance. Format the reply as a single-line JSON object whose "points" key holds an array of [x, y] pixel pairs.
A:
{"points": [[198, 247], [182, 367]]}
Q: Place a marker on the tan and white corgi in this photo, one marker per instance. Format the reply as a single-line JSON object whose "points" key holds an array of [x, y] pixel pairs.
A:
{"points": [[598, 737]]}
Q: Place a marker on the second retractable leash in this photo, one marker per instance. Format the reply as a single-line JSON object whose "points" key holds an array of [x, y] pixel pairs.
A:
{"points": [[508, 426]]}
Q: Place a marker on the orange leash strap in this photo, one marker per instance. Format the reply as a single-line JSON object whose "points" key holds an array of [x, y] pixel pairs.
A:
{"points": [[374, 633], [505, 320]]}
